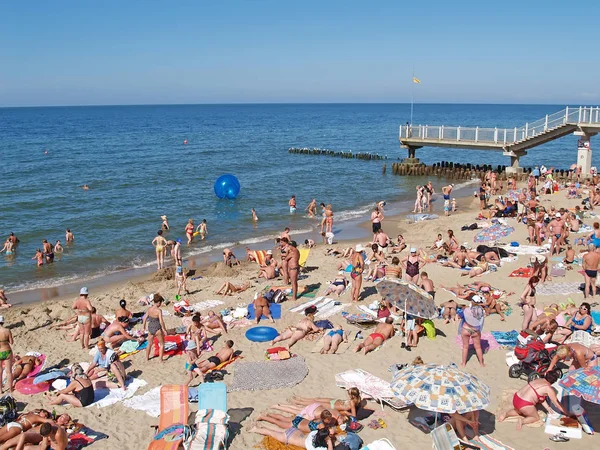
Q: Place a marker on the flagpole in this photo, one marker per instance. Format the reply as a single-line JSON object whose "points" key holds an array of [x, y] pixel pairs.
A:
{"points": [[412, 102]]}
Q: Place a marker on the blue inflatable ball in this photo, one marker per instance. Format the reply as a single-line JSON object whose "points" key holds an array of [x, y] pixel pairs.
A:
{"points": [[227, 186], [261, 334]]}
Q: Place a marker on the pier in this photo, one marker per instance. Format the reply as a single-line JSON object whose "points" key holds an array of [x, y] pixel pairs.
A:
{"points": [[582, 121]]}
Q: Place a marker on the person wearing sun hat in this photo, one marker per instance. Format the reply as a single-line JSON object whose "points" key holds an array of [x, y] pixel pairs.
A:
{"points": [[470, 327], [358, 267], [83, 308]]}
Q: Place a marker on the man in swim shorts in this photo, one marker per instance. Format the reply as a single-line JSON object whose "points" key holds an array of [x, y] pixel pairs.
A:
{"points": [[382, 332], [83, 308], [292, 204], [48, 251], [590, 270], [427, 284], [223, 355]]}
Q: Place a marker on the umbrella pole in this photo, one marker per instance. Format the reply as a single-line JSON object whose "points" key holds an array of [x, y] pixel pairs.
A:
{"points": [[405, 324]]}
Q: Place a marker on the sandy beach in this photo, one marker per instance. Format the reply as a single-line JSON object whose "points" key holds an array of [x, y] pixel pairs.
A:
{"points": [[131, 429]]}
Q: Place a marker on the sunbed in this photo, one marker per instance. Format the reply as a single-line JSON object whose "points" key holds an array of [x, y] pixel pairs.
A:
{"points": [[174, 412], [370, 386], [211, 419]]}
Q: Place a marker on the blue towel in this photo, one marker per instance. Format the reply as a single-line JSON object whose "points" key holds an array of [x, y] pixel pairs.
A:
{"points": [[506, 338], [274, 307]]}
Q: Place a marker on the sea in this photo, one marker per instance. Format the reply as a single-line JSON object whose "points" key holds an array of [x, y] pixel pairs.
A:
{"points": [[138, 167]]}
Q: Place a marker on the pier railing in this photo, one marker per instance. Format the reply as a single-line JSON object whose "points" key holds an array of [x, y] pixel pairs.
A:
{"points": [[503, 136]]}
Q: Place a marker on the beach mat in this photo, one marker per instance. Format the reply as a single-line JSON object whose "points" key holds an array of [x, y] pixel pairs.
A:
{"points": [[487, 442], [488, 342], [558, 288], [178, 350], [260, 375], [506, 339], [105, 397], [84, 437], [274, 307], [148, 402], [522, 272]]}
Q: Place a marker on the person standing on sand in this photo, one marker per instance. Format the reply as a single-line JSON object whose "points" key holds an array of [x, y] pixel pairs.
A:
{"points": [[358, 267], [311, 209], [189, 231], [155, 325], [6, 356], [590, 270], [160, 245], [470, 327], [292, 204], [419, 201], [69, 237], [292, 258], [83, 308], [376, 217], [322, 205], [429, 190], [328, 219]]}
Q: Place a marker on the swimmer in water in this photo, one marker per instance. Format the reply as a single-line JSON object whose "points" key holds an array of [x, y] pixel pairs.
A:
{"points": [[39, 256], [8, 247], [69, 237], [58, 248], [292, 204], [311, 209], [189, 231], [48, 251], [254, 216], [165, 223], [86, 187], [202, 229]]}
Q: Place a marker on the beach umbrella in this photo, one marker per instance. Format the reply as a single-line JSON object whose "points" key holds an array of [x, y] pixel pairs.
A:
{"points": [[583, 383], [493, 233], [442, 389], [408, 297]]}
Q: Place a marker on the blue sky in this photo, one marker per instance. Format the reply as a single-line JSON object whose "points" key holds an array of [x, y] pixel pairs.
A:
{"points": [[139, 52]]}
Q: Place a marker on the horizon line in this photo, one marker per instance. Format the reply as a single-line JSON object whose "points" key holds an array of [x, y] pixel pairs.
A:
{"points": [[278, 103]]}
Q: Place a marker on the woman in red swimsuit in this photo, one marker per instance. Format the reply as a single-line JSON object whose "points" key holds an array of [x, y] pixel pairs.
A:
{"points": [[533, 393], [189, 231]]}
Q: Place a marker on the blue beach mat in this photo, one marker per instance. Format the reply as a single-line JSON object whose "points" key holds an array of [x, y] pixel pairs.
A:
{"points": [[506, 338], [274, 307]]}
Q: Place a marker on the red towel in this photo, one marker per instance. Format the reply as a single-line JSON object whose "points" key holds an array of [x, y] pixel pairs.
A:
{"points": [[523, 272]]}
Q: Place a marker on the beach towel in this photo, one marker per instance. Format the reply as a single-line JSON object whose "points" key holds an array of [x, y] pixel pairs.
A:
{"points": [[493, 233], [302, 306], [83, 437], [527, 249], [224, 364], [259, 256], [522, 272], [558, 270], [211, 429], [173, 345], [558, 288], [274, 307], [331, 310], [304, 253], [365, 309], [257, 375], [584, 338], [206, 304], [412, 218], [506, 339], [358, 318], [488, 342], [141, 347], [487, 442], [148, 402], [106, 397]]}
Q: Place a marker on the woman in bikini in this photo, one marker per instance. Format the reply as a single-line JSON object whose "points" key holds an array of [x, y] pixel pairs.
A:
{"points": [[6, 356], [470, 327], [529, 396], [214, 322], [27, 421], [197, 332], [315, 440], [579, 355], [528, 303], [295, 333], [332, 340], [155, 325], [542, 321], [229, 288], [348, 407], [39, 257], [189, 231], [338, 285], [23, 366], [452, 243], [480, 268], [160, 245], [325, 420], [358, 267], [412, 264]]}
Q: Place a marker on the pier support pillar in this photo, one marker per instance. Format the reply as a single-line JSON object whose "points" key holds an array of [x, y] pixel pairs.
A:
{"points": [[514, 167], [584, 152], [412, 159]]}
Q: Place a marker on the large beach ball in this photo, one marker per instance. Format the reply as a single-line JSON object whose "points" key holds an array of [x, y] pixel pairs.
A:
{"points": [[227, 186]]}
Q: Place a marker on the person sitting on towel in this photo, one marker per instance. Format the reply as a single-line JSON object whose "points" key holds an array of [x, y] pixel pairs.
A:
{"points": [[382, 332]]}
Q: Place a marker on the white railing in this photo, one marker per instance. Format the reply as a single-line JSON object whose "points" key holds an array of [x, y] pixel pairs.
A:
{"points": [[501, 136]]}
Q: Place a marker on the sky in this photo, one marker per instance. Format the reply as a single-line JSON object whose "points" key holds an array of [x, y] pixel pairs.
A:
{"points": [[155, 52]]}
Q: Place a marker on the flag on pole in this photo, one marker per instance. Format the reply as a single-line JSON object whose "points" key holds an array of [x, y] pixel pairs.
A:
{"points": [[416, 80]]}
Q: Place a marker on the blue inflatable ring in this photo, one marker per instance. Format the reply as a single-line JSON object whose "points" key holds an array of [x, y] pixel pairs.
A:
{"points": [[261, 334]]}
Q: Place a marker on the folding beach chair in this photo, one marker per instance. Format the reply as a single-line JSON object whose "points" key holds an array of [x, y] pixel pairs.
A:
{"points": [[174, 411], [370, 386], [212, 419], [444, 438]]}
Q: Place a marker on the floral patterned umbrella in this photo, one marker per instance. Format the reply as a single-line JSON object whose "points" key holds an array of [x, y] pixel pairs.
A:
{"points": [[408, 297], [444, 389], [583, 383]]}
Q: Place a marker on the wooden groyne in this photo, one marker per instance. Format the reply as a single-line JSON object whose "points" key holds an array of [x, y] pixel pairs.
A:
{"points": [[450, 170], [339, 154]]}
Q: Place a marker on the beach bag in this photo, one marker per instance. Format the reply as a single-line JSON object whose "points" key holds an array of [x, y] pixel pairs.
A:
{"points": [[269, 295], [279, 296], [8, 409]]}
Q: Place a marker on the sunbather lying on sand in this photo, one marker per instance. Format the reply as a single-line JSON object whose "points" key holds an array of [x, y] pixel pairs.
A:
{"points": [[298, 422], [229, 288], [23, 365], [382, 332], [333, 338], [28, 420], [338, 285], [201, 367], [319, 439], [214, 324], [349, 406], [295, 333], [46, 436]]}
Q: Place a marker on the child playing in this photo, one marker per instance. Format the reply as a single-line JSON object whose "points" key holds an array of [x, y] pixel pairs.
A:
{"points": [[180, 278]]}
